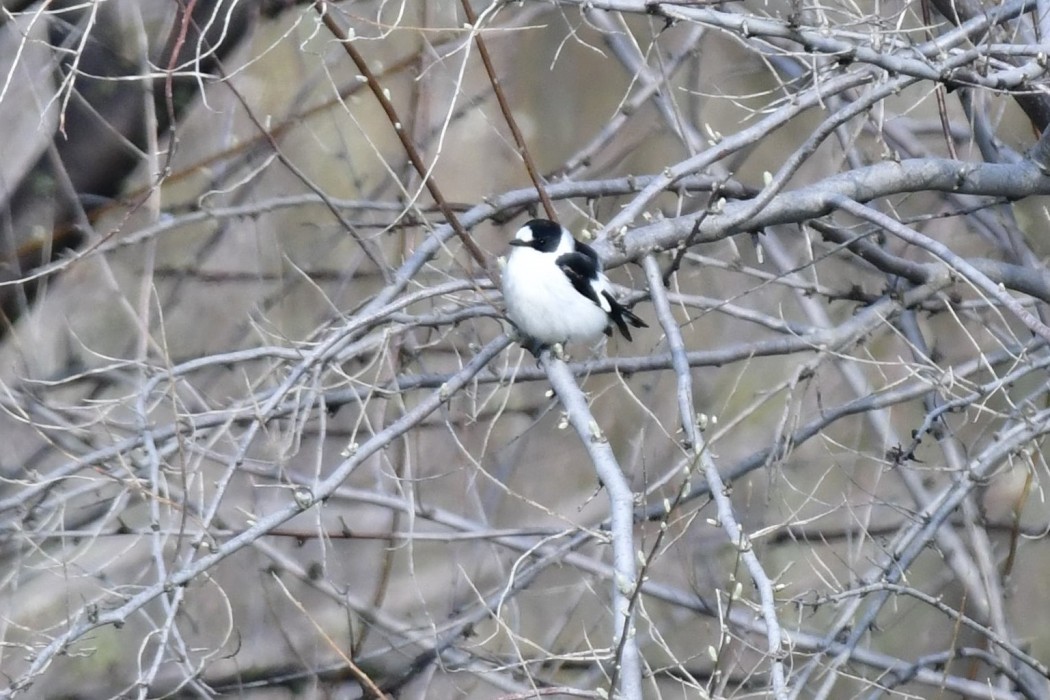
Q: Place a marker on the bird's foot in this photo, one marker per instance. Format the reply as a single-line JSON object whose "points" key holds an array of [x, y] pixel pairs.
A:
{"points": [[534, 346], [537, 347]]}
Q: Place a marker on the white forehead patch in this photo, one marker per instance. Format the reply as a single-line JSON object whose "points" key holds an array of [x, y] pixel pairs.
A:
{"points": [[524, 234]]}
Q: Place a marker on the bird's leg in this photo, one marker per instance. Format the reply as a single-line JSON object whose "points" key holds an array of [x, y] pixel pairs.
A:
{"points": [[529, 343], [534, 346], [558, 350]]}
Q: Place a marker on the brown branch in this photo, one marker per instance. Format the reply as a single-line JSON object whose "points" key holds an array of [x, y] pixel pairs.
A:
{"points": [[183, 26], [406, 142], [939, 90], [508, 114]]}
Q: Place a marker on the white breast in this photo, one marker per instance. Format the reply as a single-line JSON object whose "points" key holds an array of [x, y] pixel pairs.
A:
{"points": [[544, 305]]}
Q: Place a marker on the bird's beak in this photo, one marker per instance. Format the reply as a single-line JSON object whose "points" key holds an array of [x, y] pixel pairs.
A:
{"points": [[519, 242]]}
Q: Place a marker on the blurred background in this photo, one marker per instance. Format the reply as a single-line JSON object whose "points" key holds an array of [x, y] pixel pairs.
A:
{"points": [[227, 293]]}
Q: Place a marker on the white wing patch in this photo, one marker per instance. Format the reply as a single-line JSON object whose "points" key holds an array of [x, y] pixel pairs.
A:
{"points": [[600, 286]]}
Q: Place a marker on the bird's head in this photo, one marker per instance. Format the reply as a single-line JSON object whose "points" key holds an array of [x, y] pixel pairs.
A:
{"points": [[542, 235]]}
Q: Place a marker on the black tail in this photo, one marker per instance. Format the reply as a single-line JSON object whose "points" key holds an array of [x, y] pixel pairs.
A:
{"points": [[621, 316]]}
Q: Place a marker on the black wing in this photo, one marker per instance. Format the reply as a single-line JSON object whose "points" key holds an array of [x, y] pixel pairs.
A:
{"points": [[582, 269], [621, 316], [589, 252]]}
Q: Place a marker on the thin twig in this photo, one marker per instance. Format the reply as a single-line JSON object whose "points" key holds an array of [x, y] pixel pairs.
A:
{"points": [[508, 113], [406, 142], [697, 448], [954, 261]]}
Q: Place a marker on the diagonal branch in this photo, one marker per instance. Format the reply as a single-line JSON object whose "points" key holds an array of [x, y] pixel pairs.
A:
{"points": [[508, 113], [406, 142], [628, 670], [943, 252], [697, 446]]}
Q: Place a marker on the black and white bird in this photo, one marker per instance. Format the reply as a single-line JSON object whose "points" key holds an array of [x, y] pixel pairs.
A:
{"points": [[556, 292]]}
